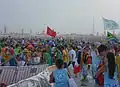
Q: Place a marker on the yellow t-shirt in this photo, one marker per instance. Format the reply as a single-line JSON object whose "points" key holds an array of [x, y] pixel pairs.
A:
{"points": [[65, 56], [28, 55], [118, 62], [5, 55]]}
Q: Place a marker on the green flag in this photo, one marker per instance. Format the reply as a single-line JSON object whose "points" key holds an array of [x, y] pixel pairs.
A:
{"points": [[110, 36]]}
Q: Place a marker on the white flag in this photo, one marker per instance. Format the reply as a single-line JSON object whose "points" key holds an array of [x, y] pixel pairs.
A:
{"points": [[110, 24]]}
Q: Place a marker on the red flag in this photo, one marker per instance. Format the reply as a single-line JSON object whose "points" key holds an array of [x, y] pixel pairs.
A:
{"points": [[50, 32]]}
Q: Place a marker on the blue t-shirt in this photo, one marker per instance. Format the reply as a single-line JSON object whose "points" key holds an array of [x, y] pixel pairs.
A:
{"points": [[12, 62], [95, 64], [61, 78]]}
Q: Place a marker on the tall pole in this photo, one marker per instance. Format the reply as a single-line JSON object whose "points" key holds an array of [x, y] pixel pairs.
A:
{"points": [[93, 31], [5, 29], [22, 32], [105, 30], [30, 33]]}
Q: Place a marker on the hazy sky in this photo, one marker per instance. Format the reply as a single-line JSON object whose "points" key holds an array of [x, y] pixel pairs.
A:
{"points": [[72, 16]]}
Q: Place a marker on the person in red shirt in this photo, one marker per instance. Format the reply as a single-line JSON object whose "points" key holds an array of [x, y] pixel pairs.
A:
{"points": [[89, 61]]}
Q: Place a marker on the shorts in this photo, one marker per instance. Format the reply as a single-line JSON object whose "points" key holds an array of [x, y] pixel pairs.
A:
{"points": [[78, 61], [73, 63], [65, 65]]}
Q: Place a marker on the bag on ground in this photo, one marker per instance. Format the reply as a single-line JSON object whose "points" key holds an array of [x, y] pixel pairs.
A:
{"points": [[72, 83]]}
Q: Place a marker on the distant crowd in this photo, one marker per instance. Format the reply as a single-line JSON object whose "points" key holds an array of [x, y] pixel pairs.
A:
{"points": [[98, 60]]}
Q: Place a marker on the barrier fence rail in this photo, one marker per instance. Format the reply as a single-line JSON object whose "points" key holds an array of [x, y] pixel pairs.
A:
{"points": [[12, 74], [39, 80]]}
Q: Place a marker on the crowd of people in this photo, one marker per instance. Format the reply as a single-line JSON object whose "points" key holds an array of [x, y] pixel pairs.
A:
{"points": [[85, 58], [91, 61]]}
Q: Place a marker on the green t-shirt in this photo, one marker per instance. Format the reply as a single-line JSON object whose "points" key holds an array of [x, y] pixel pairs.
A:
{"points": [[1, 44], [59, 54], [17, 51], [47, 58], [49, 51]]}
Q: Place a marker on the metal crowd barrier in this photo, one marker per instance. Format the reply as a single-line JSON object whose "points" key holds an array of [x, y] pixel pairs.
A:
{"points": [[12, 74], [39, 80]]}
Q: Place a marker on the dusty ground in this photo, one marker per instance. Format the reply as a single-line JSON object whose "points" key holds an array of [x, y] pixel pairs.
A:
{"points": [[85, 83], [80, 83]]}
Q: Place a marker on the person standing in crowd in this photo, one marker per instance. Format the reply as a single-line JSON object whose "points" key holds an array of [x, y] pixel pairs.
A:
{"points": [[110, 73], [117, 60], [17, 50], [102, 50], [27, 56], [83, 63], [67, 53], [58, 53], [47, 57], [13, 61], [89, 62], [59, 76], [6, 56], [95, 58], [72, 56], [65, 57], [48, 50], [79, 52], [23, 42], [19, 61]]}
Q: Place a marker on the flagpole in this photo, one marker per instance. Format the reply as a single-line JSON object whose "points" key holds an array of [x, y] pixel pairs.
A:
{"points": [[104, 27], [93, 26], [105, 31]]}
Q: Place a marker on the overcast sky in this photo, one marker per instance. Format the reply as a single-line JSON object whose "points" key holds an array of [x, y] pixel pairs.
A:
{"points": [[72, 16]]}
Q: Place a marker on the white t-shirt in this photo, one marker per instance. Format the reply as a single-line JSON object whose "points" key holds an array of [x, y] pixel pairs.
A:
{"points": [[21, 63], [36, 60], [72, 52], [53, 49], [23, 41]]}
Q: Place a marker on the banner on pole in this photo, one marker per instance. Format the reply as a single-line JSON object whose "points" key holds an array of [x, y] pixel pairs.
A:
{"points": [[110, 24]]}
